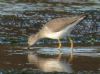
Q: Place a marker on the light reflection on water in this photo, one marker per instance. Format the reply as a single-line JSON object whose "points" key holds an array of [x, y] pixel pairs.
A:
{"points": [[86, 60], [92, 52], [63, 64], [49, 64]]}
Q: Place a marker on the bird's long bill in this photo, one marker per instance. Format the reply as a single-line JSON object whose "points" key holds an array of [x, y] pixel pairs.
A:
{"points": [[78, 19], [82, 17], [32, 40]]}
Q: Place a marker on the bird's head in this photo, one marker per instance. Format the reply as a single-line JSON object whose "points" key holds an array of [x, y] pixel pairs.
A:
{"points": [[32, 40]]}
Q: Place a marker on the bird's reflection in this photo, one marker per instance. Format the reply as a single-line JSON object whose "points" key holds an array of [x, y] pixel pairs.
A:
{"points": [[49, 64]]}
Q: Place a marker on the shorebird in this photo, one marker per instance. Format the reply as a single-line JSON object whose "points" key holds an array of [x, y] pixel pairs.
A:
{"points": [[56, 29]]}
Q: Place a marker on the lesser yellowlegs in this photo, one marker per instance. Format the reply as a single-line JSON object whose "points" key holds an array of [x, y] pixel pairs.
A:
{"points": [[56, 29]]}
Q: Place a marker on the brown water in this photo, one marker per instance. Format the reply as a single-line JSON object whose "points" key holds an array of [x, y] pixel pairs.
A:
{"points": [[17, 58]]}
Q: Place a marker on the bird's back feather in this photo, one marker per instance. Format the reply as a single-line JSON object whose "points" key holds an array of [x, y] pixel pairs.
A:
{"points": [[58, 24]]}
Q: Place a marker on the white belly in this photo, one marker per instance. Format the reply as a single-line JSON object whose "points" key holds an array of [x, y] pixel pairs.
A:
{"points": [[55, 35]]}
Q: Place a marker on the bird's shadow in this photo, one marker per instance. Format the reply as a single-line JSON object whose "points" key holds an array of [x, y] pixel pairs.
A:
{"points": [[48, 64]]}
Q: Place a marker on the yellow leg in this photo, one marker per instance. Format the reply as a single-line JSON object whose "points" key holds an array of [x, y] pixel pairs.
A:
{"points": [[59, 44], [59, 50], [72, 45]]}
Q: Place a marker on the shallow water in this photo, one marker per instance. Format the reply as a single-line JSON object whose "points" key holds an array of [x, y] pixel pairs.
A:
{"points": [[87, 59]]}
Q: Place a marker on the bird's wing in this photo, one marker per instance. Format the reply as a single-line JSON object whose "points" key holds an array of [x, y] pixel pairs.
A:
{"points": [[58, 24]]}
